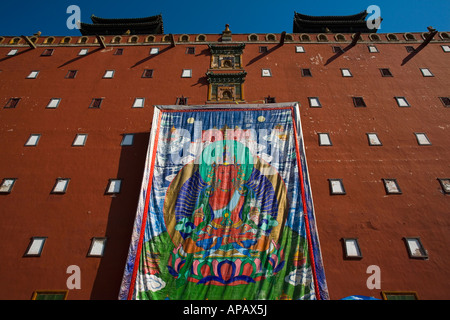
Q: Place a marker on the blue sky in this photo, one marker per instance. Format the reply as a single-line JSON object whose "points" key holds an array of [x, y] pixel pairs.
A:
{"points": [[264, 16]]}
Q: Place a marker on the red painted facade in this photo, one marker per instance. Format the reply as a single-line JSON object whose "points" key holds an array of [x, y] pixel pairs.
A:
{"points": [[378, 220]]}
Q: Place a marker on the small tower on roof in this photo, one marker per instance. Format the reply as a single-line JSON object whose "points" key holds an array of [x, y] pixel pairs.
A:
{"points": [[335, 24], [120, 26]]}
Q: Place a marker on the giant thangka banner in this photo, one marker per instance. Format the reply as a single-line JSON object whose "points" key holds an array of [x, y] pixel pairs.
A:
{"points": [[225, 209]]}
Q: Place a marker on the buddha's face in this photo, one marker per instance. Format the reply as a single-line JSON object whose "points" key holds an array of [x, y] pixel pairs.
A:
{"points": [[226, 176]]}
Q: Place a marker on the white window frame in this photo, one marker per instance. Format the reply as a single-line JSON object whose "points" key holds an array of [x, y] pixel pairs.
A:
{"points": [[336, 187], [373, 49], [12, 52], [154, 51], [60, 186], [35, 247], [391, 186], [314, 102], [402, 102], [114, 186], [138, 103], [445, 185], [53, 103], [109, 74], [445, 48], [32, 140], [373, 139], [83, 52], [299, 49], [80, 140], [186, 73], [97, 247], [127, 139], [415, 248], [422, 139], [324, 139], [426, 72], [266, 72], [346, 72], [351, 248], [7, 185], [33, 74]]}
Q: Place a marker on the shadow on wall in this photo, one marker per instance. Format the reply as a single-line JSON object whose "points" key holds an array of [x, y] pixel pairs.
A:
{"points": [[121, 219]]}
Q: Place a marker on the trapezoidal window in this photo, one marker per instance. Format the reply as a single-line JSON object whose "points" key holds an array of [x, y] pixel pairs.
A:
{"points": [[7, 185], [60, 186], [127, 139], [47, 52], [12, 52], [358, 102], [391, 186], [351, 248], [35, 247], [138, 103], [53, 103], [109, 74], [306, 72], [32, 140], [71, 74], [80, 140], [385, 72], [426, 72], [314, 102], [422, 139], [114, 186], [148, 73], [373, 139], [402, 102], [372, 49], [415, 248], [445, 185], [336, 187], [346, 73], [186, 73], [324, 139], [445, 101], [12, 103], [97, 248], [33, 75], [83, 52], [96, 103]]}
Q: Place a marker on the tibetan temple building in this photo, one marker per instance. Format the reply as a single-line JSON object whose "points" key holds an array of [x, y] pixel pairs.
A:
{"points": [[310, 164]]}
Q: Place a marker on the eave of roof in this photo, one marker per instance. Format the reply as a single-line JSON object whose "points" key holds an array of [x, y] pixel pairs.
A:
{"points": [[355, 17]]}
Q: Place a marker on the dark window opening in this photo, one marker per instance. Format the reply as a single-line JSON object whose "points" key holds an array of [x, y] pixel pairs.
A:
{"points": [[445, 101], [359, 102], [47, 52], [96, 103], [306, 73], [269, 99], [190, 50], [148, 73], [386, 72], [71, 74], [181, 101], [12, 103]]}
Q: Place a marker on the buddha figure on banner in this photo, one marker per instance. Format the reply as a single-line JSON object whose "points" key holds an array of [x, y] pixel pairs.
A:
{"points": [[224, 212]]}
